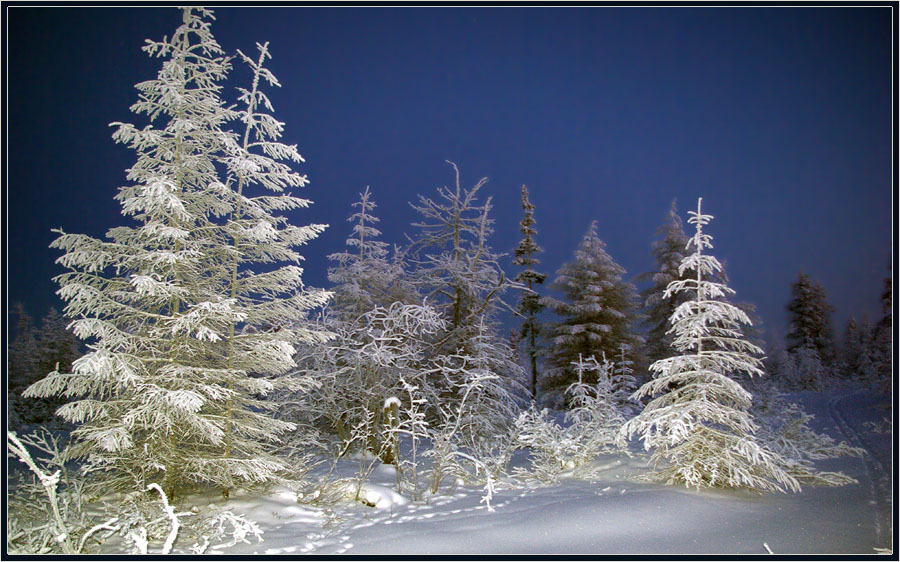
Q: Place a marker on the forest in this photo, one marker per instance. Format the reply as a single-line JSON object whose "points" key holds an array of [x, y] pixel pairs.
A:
{"points": [[191, 368]]}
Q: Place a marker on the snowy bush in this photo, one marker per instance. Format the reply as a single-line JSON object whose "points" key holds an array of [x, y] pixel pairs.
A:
{"points": [[49, 511], [361, 368], [590, 428], [805, 370], [46, 506], [473, 439]]}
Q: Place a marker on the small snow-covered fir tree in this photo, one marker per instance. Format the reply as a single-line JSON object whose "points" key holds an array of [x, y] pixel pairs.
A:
{"points": [[57, 349], [623, 382], [169, 389], [597, 311], [857, 337], [22, 357], [592, 425], [57, 345], [594, 415], [698, 424], [363, 274], [530, 303], [882, 349], [806, 370]]}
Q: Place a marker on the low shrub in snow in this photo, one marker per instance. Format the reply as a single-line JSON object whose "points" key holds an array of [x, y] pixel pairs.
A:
{"points": [[49, 511], [591, 426]]}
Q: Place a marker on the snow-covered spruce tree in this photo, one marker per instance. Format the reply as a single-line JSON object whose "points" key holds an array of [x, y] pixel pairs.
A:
{"points": [[460, 275], [165, 393], [810, 320], [369, 289], [697, 422], [668, 253], [530, 303], [264, 282], [363, 274], [597, 311]]}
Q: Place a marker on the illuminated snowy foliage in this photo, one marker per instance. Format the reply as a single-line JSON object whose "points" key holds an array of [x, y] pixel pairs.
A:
{"points": [[697, 422], [185, 336]]}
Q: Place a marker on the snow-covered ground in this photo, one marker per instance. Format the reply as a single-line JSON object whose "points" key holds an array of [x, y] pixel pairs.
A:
{"points": [[613, 514]]}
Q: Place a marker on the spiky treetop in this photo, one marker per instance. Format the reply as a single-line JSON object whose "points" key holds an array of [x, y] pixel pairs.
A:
{"points": [[530, 304], [527, 248]]}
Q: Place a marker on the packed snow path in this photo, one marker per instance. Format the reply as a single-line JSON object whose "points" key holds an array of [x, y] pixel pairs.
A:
{"points": [[614, 514], [877, 462]]}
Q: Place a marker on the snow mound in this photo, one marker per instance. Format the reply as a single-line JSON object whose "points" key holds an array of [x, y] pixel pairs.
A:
{"points": [[374, 495]]}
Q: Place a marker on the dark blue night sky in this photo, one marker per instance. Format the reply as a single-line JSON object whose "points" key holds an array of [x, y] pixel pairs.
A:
{"points": [[779, 117]]}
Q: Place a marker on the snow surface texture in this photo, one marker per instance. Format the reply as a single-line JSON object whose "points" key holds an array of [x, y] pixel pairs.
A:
{"points": [[612, 514]]}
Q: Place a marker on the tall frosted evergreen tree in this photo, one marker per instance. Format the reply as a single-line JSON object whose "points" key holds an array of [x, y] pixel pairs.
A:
{"points": [[810, 320], [185, 335], [530, 303], [597, 311], [265, 281], [668, 253], [698, 422]]}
